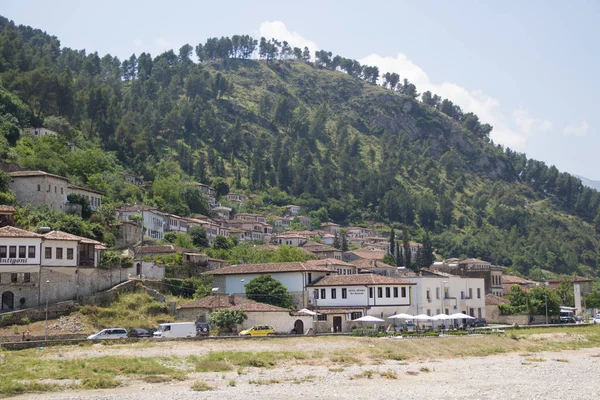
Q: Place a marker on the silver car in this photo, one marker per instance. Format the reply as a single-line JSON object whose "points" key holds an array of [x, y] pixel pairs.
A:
{"points": [[597, 319], [110, 333]]}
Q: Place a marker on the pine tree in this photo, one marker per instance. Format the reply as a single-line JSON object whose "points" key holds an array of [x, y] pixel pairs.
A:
{"points": [[428, 257], [405, 249], [344, 240], [392, 242], [398, 255], [336, 241]]}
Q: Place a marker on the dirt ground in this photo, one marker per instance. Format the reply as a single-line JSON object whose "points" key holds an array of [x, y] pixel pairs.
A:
{"points": [[561, 375]]}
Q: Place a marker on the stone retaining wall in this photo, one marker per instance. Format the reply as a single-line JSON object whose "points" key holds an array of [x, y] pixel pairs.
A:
{"points": [[38, 313]]}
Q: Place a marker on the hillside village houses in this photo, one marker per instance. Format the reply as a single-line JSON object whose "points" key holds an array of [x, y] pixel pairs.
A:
{"points": [[53, 266], [40, 188], [38, 132]]}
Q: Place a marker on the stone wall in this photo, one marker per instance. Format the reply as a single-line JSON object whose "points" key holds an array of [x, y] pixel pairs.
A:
{"points": [[38, 313], [53, 191]]}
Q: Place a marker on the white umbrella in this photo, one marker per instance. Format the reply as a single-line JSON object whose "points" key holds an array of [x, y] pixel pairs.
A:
{"points": [[306, 311], [401, 316], [368, 318], [460, 316], [422, 317], [441, 317]]}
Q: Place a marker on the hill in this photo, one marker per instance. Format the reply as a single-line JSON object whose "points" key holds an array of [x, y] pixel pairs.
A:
{"points": [[290, 127]]}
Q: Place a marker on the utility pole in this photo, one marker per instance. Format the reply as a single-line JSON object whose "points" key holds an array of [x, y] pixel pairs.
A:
{"points": [[46, 329]]}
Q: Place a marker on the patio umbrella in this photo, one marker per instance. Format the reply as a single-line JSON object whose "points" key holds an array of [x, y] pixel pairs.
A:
{"points": [[441, 317], [422, 317], [368, 318], [461, 316], [401, 316]]}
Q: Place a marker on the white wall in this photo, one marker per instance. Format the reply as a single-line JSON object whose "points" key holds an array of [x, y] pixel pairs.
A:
{"points": [[359, 296], [21, 242], [64, 245], [293, 281]]}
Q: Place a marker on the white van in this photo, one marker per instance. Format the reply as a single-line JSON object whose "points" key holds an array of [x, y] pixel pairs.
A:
{"points": [[176, 330]]}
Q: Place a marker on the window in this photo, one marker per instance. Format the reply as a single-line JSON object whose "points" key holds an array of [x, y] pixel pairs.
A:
{"points": [[322, 317], [387, 292], [49, 187], [333, 293], [2, 251], [27, 277], [428, 295], [14, 277], [470, 293], [22, 251], [69, 254], [379, 292], [59, 253], [437, 292], [31, 252], [396, 292], [429, 312], [370, 292], [39, 188], [12, 251], [48, 253], [61, 190], [403, 292], [316, 293], [344, 293], [323, 294], [478, 293], [462, 294], [356, 315]]}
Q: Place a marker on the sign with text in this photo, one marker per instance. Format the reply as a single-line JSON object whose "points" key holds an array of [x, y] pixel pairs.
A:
{"points": [[13, 261]]}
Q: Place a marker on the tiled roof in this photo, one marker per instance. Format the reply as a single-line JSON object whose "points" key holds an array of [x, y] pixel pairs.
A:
{"points": [[58, 235], [28, 174], [7, 209], [573, 278], [338, 310], [368, 264], [163, 248], [493, 300], [239, 303], [360, 280], [329, 224], [11, 231], [329, 261], [369, 254], [266, 268], [85, 189], [473, 261], [515, 280]]}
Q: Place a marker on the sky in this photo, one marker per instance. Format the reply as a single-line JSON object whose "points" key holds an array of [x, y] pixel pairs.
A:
{"points": [[527, 68]]}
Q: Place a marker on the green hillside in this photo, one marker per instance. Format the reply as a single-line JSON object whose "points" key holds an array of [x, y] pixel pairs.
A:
{"points": [[290, 129]]}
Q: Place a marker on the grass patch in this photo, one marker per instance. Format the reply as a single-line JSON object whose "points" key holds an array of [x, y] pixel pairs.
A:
{"points": [[201, 386], [535, 359], [271, 381], [389, 374], [344, 359], [424, 369], [157, 378], [232, 383], [562, 360], [265, 359], [336, 369]]}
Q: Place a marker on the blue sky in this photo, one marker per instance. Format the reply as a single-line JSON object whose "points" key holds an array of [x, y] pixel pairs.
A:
{"points": [[527, 68]]}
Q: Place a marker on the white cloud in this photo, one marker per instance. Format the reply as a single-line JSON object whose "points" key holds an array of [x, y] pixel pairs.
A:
{"points": [[579, 129], [278, 30], [138, 43], [512, 131], [162, 44]]}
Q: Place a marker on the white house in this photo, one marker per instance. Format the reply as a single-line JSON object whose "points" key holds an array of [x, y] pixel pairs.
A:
{"points": [[295, 276], [292, 210], [449, 294], [340, 299], [39, 132], [290, 239], [153, 220]]}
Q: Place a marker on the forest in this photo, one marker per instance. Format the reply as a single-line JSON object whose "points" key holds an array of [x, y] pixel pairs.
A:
{"points": [[348, 144]]}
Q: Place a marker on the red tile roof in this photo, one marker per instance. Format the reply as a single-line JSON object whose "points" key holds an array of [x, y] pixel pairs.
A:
{"points": [[329, 261], [370, 254], [28, 174], [7, 209], [360, 280], [340, 310], [163, 248], [11, 231], [239, 303], [58, 235], [573, 278], [368, 264], [473, 261], [515, 280], [266, 268], [493, 300]]}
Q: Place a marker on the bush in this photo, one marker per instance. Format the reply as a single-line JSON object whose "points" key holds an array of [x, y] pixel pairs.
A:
{"points": [[370, 332]]}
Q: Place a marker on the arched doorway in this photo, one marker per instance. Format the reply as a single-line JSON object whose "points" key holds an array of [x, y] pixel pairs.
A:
{"points": [[299, 327], [8, 301], [138, 270]]}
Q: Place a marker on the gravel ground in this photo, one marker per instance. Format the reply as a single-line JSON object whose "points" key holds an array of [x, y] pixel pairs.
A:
{"points": [[545, 375]]}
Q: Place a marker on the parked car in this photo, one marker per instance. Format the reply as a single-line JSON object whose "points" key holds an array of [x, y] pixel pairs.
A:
{"points": [[597, 319], [202, 329], [139, 333], [477, 322], [258, 330], [110, 333], [568, 320], [176, 330]]}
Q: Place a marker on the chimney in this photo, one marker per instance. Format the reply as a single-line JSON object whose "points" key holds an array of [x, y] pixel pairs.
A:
{"points": [[232, 299]]}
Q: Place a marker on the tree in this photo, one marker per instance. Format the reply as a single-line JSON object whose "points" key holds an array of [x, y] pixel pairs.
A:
{"points": [[221, 243], [343, 240], [392, 247], [266, 289], [227, 319], [428, 257], [406, 254], [336, 240], [565, 292], [198, 235]]}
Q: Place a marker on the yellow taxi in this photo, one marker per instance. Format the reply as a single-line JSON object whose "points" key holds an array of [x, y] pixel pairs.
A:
{"points": [[258, 330]]}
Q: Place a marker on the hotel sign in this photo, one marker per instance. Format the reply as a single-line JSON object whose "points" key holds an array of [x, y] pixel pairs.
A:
{"points": [[13, 261], [356, 292]]}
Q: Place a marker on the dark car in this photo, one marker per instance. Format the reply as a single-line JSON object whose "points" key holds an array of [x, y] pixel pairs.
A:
{"points": [[139, 333], [202, 329], [477, 322], [567, 320]]}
